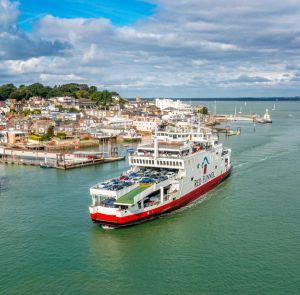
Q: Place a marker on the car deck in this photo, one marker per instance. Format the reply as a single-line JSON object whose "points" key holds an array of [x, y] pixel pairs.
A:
{"points": [[128, 199]]}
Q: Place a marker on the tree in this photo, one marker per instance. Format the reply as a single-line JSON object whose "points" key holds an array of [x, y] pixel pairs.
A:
{"points": [[49, 134], [203, 110], [21, 93], [103, 98], [36, 112], [68, 89], [106, 98], [73, 110], [97, 97], [26, 112], [6, 90], [50, 131], [38, 89], [82, 94], [93, 89], [61, 135], [16, 95]]}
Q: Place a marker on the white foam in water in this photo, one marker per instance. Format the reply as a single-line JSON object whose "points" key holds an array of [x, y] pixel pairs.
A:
{"points": [[240, 165]]}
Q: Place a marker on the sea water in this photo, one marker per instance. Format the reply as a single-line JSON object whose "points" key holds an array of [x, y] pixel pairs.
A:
{"points": [[242, 238]]}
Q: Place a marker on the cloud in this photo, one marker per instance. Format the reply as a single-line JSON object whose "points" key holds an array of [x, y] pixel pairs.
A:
{"points": [[17, 44], [249, 79], [186, 48]]}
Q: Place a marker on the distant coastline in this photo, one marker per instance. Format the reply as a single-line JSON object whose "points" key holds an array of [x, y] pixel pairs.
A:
{"points": [[295, 98]]}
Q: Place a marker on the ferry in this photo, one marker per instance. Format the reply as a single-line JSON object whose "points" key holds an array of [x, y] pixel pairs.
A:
{"points": [[175, 169]]}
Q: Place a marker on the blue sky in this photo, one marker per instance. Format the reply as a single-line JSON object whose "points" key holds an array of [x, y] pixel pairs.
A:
{"points": [[120, 12], [153, 48]]}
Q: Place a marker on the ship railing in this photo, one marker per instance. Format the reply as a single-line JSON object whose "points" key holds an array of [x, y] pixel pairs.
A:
{"points": [[111, 193], [160, 155], [151, 161], [104, 210]]}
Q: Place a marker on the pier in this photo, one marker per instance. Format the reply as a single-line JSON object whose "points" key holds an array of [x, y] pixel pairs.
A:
{"points": [[228, 131], [55, 160]]}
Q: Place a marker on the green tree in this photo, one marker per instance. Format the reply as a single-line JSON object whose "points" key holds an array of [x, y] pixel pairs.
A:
{"points": [[61, 135], [26, 112], [103, 98], [6, 90], [106, 98], [38, 89], [97, 97], [203, 110], [73, 110], [36, 112], [21, 93], [82, 94], [50, 131], [93, 89], [16, 95], [49, 134], [60, 108]]}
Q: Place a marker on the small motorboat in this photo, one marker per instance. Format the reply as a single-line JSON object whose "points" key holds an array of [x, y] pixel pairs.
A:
{"points": [[265, 119]]}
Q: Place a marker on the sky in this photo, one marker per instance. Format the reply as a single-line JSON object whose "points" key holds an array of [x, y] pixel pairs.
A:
{"points": [[154, 48]]}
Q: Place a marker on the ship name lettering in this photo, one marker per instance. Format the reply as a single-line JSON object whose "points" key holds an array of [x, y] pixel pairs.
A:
{"points": [[197, 182], [208, 177]]}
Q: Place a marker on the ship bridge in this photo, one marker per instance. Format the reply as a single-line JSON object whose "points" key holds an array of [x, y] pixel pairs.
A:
{"points": [[164, 155]]}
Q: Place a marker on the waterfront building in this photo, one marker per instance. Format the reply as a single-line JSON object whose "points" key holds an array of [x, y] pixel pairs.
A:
{"points": [[11, 137], [164, 103], [41, 126], [119, 122], [19, 123], [85, 103], [146, 124]]}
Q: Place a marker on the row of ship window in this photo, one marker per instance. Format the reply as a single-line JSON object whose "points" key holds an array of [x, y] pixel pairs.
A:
{"points": [[151, 162]]}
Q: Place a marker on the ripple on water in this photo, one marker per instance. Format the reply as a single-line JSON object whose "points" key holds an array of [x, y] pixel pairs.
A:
{"points": [[3, 183]]}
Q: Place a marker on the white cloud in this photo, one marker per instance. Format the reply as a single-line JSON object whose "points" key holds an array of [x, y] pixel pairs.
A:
{"points": [[189, 48], [63, 78]]}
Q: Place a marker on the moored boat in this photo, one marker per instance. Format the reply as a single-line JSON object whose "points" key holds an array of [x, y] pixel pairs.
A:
{"points": [[265, 119]]}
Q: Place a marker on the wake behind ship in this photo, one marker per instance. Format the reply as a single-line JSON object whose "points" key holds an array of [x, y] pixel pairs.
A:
{"points": [[177, 168]]}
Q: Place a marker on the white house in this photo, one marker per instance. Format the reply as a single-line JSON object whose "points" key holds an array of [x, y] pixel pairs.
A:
{"points": [[164, 103], [146, 124], [119, 122]]}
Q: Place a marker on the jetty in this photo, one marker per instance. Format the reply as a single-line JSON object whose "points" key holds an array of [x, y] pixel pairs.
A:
{"points": [[228, 131], [62, 161]]}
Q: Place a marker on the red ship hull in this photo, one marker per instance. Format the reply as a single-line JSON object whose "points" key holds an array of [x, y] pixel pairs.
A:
{"points": [[185, 199]]}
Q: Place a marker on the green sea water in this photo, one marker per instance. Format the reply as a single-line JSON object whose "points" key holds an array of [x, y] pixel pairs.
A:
{"points": [[242, 238]]}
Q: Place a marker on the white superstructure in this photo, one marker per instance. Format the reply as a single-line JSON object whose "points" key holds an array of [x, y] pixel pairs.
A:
{"points": [[175, 169]]}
